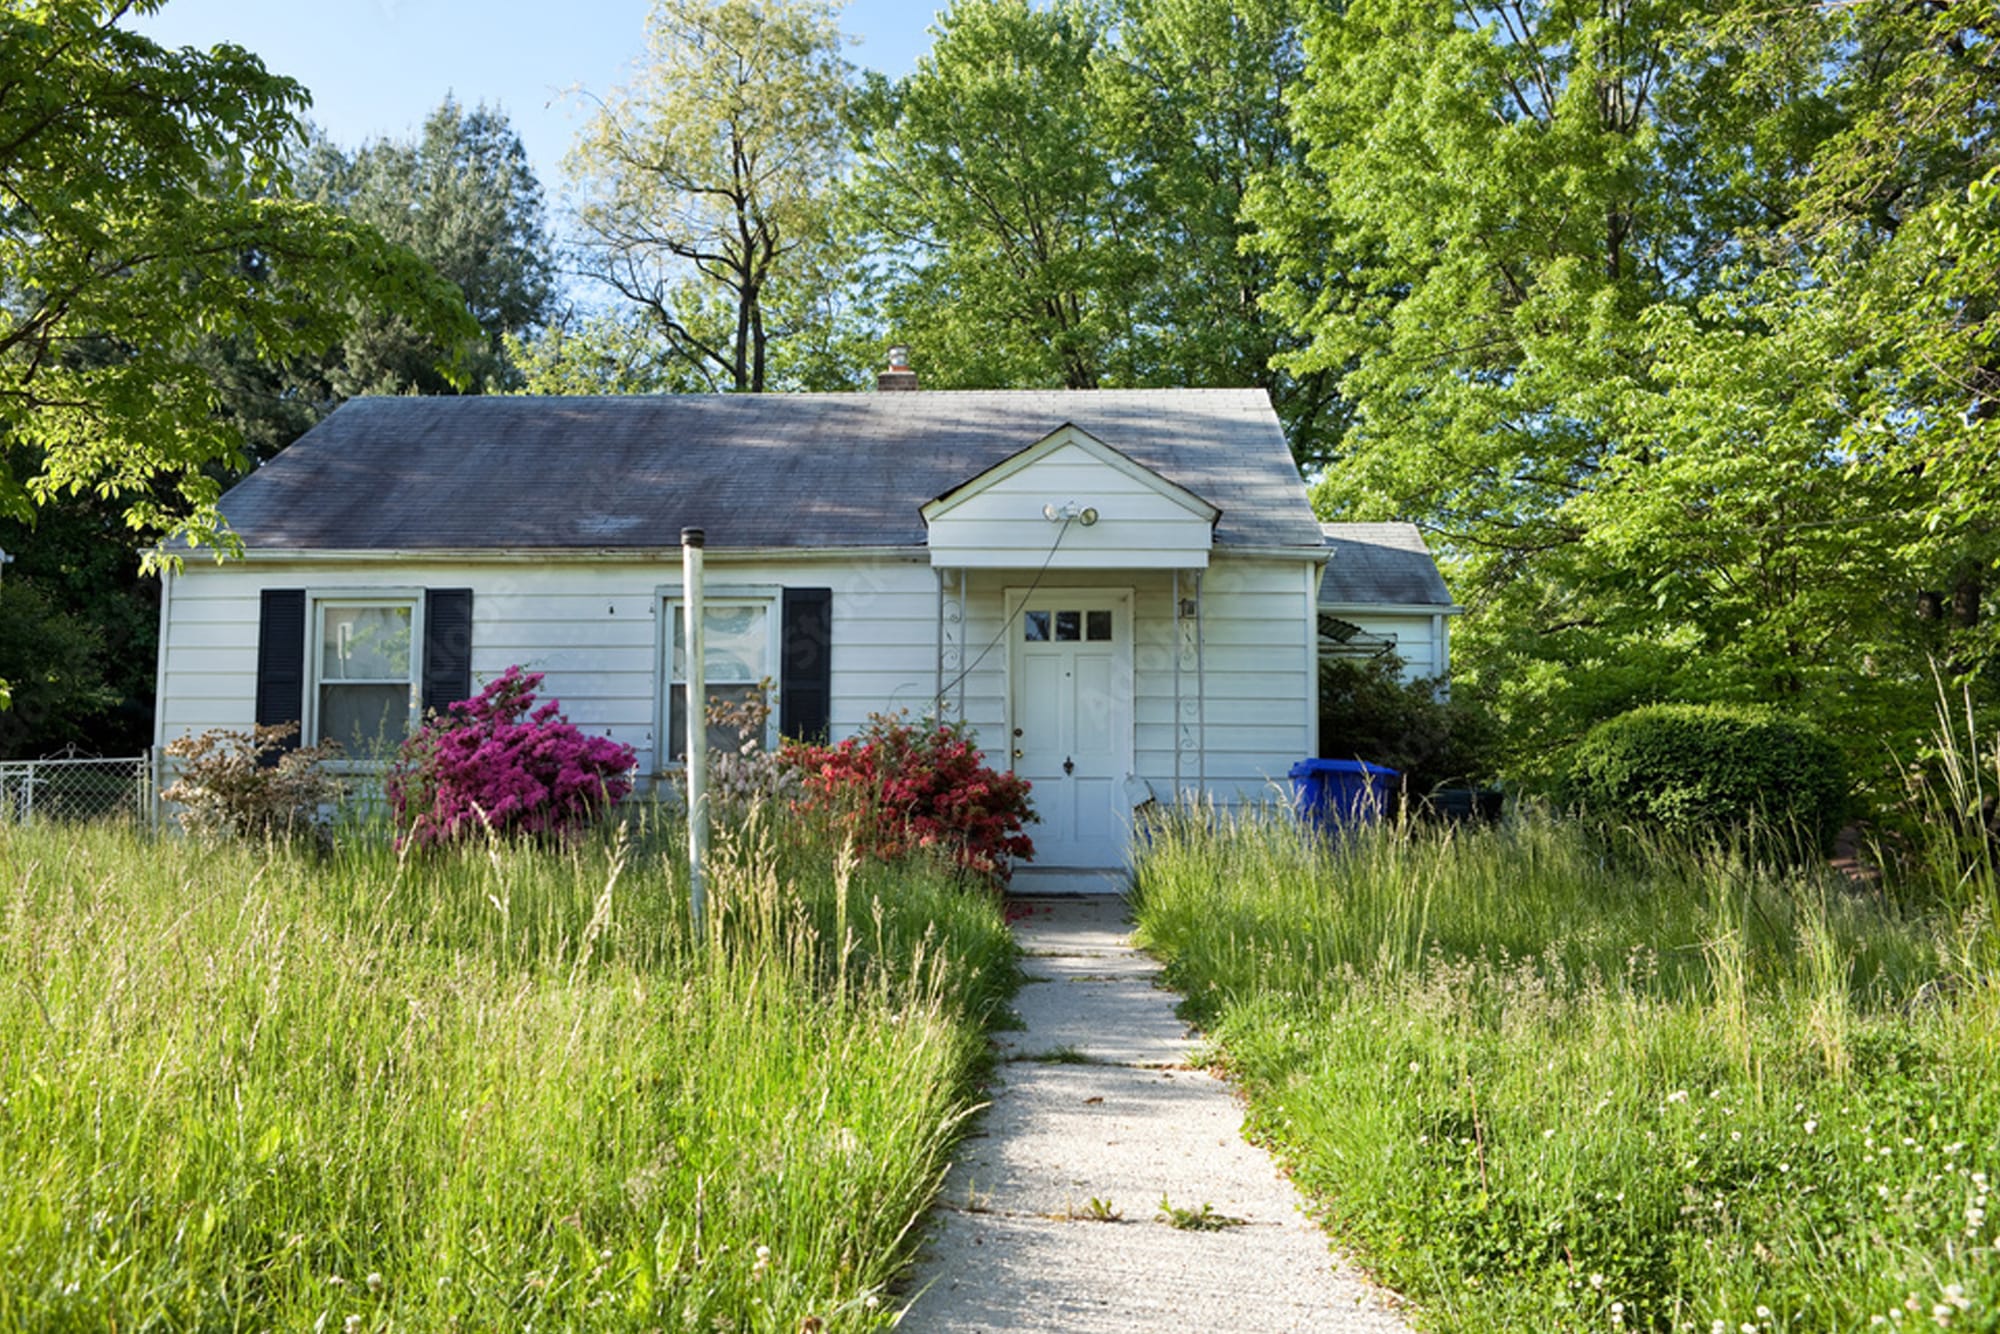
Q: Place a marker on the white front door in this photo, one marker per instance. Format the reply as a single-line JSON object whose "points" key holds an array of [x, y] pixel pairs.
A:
{"points": [[1070, 708]]}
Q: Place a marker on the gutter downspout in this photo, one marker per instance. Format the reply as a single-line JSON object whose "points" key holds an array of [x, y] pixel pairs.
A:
{"points": [[1200, 687], [1174, 627]]}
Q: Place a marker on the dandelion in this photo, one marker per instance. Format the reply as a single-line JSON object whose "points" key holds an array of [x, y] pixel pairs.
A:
{"points": [[871, 1301]]}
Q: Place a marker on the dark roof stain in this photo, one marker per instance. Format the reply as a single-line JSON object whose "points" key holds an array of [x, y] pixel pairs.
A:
{"points": [[1380, 564], [754, 470]]}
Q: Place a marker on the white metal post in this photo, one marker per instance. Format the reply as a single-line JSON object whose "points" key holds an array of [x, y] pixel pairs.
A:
{"points": [[695, 711]]}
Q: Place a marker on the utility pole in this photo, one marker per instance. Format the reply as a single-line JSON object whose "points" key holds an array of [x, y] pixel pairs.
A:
{"points": [[695, 710]]}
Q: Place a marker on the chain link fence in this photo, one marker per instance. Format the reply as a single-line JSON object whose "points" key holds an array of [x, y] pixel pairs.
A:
{"points": [[75, 789]]}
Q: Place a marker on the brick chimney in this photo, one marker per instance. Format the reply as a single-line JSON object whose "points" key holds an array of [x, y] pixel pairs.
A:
{"points": [[899, 377]]}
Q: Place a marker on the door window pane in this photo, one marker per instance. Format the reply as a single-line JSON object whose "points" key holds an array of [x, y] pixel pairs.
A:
{"points": [[1097, 626], [1035, 627], [1069, 626]]}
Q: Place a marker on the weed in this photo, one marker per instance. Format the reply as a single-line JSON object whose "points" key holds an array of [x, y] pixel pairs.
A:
{"points": [[1204, 1219], [1099, 1210]]}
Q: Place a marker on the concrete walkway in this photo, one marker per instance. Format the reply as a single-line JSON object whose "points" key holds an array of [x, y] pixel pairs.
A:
{"points": [[1025, 1238]]}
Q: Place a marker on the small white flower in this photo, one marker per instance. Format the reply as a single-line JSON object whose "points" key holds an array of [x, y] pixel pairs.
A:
{"points": [[871, 1301], [1597, 1280], [1811, 1126], [1763, 1313], [351, 1325], [374, 1282], [1549, 1133], [1678, 1095]]}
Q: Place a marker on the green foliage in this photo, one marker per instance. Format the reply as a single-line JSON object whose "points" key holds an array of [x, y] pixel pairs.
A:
{"points": [[707, 186], [492, 1090], [987, 176], [1676, 321], [147, 216], [1694, 769], [52, 663], [1053, 197], [1539, 1088], [462, 196], [1367, 711]]}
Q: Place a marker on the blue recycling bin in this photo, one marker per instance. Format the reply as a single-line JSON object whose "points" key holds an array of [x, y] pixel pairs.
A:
{"points": [[1331, 793]]}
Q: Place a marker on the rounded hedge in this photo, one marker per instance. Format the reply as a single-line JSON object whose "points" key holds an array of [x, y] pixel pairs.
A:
{"points": [[1703, 768]]}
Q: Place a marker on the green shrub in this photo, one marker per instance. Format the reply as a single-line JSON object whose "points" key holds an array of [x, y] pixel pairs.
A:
{"points": [[1700, 768], [1367, 711]]}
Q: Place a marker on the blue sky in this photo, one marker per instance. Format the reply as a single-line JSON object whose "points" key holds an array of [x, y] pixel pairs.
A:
{"points": [[377, 67]]}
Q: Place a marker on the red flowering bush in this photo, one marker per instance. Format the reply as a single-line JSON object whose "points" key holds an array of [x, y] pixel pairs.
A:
{"points": [[497, 761], [904, 786]]}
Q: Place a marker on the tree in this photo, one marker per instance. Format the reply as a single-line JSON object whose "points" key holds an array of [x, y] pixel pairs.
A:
{"points": [[987, 180], [708, 181], [1056, 197], [463, 197], [1672, 321], [142, 211], [1194, 91]]}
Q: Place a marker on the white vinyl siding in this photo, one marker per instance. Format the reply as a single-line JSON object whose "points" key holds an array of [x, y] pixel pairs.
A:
{"points": [[594, 629]]}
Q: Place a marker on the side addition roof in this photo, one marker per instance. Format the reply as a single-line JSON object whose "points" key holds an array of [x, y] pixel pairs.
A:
{"points": [[1380, 565], [755, 470]]}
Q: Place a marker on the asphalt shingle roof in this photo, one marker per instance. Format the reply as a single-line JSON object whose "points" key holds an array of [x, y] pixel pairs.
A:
{"points": [[754, 470], [1380, 564]]}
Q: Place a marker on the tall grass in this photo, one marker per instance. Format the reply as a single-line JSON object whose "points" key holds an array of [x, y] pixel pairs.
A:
{"points": [[249, 1088], [1544, 1082]]}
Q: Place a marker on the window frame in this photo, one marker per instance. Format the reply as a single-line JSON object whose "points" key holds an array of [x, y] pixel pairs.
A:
{"points": [[669, 600], [318, 600]]}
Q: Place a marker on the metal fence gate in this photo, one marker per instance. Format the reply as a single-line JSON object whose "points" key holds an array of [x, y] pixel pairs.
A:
{"points": [[78, 789]]}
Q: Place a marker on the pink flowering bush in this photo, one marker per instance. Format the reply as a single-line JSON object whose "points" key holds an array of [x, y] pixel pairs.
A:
{"points": [[903, 786], [499, 761]]}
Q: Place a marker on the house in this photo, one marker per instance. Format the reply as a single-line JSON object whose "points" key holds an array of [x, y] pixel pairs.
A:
{"points": [[1381, 594], [1117, 589]]}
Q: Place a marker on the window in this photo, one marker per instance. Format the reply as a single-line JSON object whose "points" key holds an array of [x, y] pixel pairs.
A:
{"points": [[365, 687], [738, 658], [1069, 627]]}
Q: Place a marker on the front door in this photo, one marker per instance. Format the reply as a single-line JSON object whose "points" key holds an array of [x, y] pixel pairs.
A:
{"points": [[1070, 698]]}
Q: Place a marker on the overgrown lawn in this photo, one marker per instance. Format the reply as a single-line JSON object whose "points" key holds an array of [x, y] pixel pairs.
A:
{"points": [[246, 1088], [1543, 1083]]}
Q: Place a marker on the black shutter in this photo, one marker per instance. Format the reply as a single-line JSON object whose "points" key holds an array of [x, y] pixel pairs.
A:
{"points": [[805, 691], [281, 661], [447, 647]]}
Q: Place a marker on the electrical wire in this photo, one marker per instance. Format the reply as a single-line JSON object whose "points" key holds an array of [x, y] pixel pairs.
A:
{"points": [[1006, 624]]}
